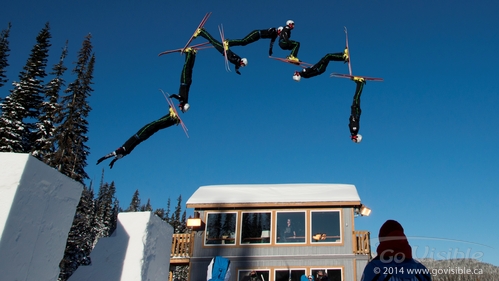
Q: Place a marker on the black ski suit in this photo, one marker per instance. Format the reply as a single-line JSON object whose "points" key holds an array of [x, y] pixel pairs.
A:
{"points": [[256, 35], [320, 67], [231, 56]]}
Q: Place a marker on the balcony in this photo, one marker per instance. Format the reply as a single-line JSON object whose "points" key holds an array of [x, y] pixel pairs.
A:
{"points": [[361, 243], [182, 245]]}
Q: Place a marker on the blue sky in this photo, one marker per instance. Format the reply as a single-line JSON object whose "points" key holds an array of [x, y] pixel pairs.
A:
{"points": [[429, 154]]}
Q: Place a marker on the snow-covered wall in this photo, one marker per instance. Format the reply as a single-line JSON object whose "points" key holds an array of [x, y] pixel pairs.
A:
{"points": [[37, 206], [138, 250]]}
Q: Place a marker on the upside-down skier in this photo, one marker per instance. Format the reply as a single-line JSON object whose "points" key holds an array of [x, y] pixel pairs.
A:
{"points": [[354, 120]]}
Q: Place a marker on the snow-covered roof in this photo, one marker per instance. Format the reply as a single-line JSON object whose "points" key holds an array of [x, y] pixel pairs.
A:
{"points": [[273, 195]]}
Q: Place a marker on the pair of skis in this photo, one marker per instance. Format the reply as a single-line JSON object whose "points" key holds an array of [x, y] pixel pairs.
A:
{"points": [[350, 75], [197, 46], [172, 106]]}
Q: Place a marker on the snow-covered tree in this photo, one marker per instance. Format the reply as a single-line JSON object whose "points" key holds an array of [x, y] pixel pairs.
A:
{"points": [[71, 153], [80, 237], [50, 114], [4, 54], [22, 106]]}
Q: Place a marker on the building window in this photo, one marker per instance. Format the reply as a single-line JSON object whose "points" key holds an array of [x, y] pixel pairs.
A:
{"points": [[255, 228], [253, 275], [326, 226], [220, 228], [290, 227], [330, 274], [289, 274]]}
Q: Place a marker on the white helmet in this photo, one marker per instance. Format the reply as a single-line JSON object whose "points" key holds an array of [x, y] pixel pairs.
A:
{"points": [[297, 76], [279, 29], [358, 138], [185, 107], [289, 22], [244, 62]]}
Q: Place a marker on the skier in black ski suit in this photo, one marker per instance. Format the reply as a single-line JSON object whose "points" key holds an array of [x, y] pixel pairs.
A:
{"points": [[256, 35], [286, 44], [354, 120], [186, 79], [144, 133], [231, 56], [320, 67]]}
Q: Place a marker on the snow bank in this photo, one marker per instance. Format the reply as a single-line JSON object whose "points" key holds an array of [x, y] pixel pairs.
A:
{"points": [[37, 206], [139, 249]]}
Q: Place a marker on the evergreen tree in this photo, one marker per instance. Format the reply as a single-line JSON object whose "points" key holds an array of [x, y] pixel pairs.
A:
{"points": [[147, 207], [176, 222], [80, 237], [160, 213], [71, 153], [105, 217], [23, 103], [4, 53], [50, 113], [135, 204]]}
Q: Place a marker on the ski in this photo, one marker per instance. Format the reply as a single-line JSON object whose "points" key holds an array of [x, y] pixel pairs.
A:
{"points": [[172, 106], [221, 31], [348, 49], [352, 76], [203, 21], [197, 47], [300, 63]]}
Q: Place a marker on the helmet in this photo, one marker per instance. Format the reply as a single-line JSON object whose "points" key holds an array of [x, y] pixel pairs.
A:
{"points": [[244, 62], [290, 22], [279, 29], [357, 138], [297, 76], [185, 107]]}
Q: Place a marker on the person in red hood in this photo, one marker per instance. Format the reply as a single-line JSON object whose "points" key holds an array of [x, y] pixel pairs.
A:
{"points": [[394, 257]]}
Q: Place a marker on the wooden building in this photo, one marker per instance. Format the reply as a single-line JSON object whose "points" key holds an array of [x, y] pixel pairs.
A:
{"points": [[281, 231]]}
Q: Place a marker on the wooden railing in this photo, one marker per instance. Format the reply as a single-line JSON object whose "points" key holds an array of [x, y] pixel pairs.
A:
{"points": [[361, 242], [182, 245]]}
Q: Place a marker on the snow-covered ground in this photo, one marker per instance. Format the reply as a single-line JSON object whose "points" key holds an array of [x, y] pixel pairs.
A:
{"points": [[37, 206]]}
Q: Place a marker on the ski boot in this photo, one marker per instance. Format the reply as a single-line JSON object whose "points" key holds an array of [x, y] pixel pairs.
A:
{"points": [[346, 55]]}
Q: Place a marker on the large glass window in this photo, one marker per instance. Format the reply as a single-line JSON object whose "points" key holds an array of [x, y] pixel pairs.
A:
{"points": [[326, 226], [221, 228], [255, 228], [253, 275], [290, 227], [289, 274], [330, 274]]}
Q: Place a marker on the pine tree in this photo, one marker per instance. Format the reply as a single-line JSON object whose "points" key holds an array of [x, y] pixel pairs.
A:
{"points": [[176, 222], [135, 204], [23, 104], [105, 217], [71, 154], [80, 237], [147, 207], [4, 53], [50, 113]]}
